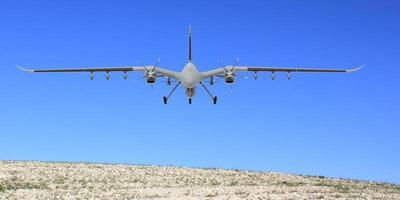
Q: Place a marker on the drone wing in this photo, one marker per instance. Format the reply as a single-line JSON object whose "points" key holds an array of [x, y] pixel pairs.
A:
{"points": [[223, 70]]}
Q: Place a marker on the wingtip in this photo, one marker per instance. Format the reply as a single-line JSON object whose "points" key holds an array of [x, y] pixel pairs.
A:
{"points": [[24, 69], [357, 68]]}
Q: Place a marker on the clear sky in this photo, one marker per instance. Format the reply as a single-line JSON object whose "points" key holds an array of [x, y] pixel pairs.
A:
{"points": [[339, 125]]}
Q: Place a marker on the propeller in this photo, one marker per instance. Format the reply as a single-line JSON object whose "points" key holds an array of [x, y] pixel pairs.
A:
{"points": [[232, 67], [230, 71], [150, 72], [150, 68]]}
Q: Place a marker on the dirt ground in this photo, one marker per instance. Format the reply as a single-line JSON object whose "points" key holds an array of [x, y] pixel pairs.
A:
{"points": [[51, 180]]}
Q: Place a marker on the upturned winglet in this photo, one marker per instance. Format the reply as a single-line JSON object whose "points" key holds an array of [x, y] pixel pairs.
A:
{"points": [[356, 69], [24, 69]]}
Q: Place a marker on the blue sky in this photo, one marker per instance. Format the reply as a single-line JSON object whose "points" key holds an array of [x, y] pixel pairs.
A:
{"points": [[340, 125]]}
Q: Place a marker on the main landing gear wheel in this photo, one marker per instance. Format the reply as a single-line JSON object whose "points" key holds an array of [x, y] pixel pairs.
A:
{"points": [[172, 91], [190, 100], [214, 100], [165, 100]]}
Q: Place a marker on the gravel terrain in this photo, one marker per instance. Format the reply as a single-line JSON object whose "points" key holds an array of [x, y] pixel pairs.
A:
{"points": [[52, 180]]}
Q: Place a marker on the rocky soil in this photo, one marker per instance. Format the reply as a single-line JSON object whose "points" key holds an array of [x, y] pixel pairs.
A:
{"points": [[51, 180]]}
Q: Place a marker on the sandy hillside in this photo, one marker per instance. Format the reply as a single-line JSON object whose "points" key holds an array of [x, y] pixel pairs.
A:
{"points": [[46, 180]]}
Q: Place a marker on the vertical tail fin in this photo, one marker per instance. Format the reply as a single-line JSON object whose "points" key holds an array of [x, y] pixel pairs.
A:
{"points": [[190, 43]]}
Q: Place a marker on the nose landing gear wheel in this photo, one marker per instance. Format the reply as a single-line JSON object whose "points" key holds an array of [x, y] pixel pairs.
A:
{"points": [[214, 100], [190, 100], [165, 100]]}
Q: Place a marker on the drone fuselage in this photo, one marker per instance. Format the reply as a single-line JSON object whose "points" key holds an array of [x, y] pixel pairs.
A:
{"points": [[189, 78]]}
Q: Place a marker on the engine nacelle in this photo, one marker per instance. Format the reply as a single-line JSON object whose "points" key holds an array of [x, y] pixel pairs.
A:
{"points": [[229, 78], [151, 79]]}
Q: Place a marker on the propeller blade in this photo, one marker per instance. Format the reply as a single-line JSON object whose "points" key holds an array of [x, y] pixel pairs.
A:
{"points": [[145, 67], [157, 62], [236, 62]]}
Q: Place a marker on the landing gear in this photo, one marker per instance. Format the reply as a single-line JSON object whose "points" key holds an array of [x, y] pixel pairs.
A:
{"points": [[213, 98], [190, 100], [166, 97]]}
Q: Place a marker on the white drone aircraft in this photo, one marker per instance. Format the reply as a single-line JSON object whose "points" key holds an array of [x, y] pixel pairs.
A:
{"points": [[190, 76]]}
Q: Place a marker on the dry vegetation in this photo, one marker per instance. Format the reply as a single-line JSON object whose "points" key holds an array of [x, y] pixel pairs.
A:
{"points": [[48, 180]]}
